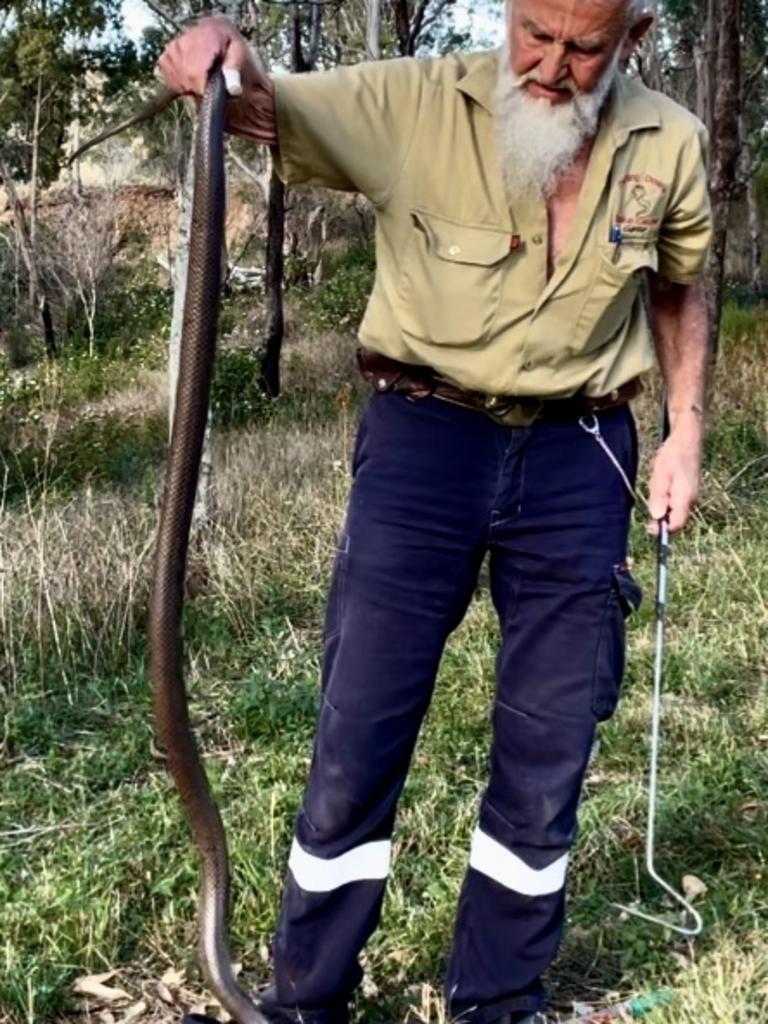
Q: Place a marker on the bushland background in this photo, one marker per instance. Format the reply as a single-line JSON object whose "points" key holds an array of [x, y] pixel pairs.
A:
{"points": [[97, 877]]}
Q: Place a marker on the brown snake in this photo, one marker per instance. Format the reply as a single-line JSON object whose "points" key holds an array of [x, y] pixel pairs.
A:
{"points": [[166, 650]]}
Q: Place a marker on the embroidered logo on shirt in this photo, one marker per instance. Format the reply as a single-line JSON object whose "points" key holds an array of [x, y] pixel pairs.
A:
{"points": [[639, 197]]}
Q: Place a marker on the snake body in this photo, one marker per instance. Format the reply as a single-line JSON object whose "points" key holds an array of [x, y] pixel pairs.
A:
{"points": [[171, 712]]}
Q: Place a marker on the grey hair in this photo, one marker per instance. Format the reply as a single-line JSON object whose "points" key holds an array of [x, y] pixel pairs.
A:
{"points": [[635, 11]]}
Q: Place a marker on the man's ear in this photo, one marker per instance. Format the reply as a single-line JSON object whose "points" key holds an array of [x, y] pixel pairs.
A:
{"points": [[635, 36]]}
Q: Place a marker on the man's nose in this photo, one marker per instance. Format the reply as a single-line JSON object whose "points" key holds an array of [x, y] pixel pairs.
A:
{"points": [[554, 65]]}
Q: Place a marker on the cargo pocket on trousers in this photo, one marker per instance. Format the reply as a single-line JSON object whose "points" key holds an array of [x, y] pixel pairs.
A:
{"points": [[624, 598]]}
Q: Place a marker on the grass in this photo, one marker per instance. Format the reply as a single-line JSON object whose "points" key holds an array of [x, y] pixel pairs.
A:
{"points": [[96, 871]]}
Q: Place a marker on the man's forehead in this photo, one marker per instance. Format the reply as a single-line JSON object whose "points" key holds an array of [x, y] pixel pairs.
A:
{"points": [[573, 18]]}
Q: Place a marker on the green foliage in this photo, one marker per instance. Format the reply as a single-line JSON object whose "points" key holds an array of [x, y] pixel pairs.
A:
{"points": [[76, 376], [742, 317], [46, 48], [99, 449], [339, 302], [135, 312], [236, 397]]}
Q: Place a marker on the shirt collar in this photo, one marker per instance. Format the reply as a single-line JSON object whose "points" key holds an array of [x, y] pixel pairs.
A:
{"points": [[630, 107], [479, 79]]}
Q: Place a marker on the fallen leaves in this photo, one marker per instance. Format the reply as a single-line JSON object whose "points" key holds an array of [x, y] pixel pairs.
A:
{"points": [[693, 887], [113, 1004], [135, 1012], [93, 986], [165, 993]]}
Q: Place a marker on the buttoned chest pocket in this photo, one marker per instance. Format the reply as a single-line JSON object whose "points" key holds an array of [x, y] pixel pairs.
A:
{"points": [[451, 279], [612, 291]]}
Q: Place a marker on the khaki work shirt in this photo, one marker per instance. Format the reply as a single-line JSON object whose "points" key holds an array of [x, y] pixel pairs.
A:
{"points": [[462, 282]]}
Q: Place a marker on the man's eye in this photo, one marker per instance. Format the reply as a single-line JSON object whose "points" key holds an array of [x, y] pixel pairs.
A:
{"points": [[585, 51]]}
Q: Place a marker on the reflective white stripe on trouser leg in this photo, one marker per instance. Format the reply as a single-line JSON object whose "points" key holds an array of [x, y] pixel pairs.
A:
{"points": [[368, 862], [497, 862]]}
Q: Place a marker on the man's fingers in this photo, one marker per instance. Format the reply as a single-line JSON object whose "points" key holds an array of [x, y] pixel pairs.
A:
{"points": [[659, 498], [681, 503], [669, 497], [187, 61]]}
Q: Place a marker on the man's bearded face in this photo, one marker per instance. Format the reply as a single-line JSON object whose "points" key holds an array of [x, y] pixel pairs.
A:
{"points": [[556, 69], [538, 140]]}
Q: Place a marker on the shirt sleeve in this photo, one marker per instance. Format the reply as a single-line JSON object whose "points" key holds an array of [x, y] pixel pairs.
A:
{"points": [[350, 128], [686, 233]]}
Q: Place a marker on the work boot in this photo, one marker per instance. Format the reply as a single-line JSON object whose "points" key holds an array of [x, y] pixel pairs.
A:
{"points": [[277, 1013]]}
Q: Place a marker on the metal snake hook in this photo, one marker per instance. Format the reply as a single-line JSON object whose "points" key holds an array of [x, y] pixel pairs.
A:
{"points": [[591, 425], [697, 925]]}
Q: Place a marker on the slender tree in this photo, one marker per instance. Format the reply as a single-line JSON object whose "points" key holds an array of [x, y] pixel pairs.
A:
{"points": [[725, 147]]}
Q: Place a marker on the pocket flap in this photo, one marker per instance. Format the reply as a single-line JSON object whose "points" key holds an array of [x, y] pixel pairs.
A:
{"points": [[629, 591], [462, 243]]}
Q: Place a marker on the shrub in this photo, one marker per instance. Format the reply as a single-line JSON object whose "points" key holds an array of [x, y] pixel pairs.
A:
{"points": [[236, 397], [103, 449], [136, 311], [339, 302]]}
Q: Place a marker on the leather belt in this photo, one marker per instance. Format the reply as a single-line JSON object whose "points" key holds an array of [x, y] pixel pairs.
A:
{"points": [[419, 382]]}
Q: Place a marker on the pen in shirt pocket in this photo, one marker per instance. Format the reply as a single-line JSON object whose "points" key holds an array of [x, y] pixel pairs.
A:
{"points": [[616, 236]]}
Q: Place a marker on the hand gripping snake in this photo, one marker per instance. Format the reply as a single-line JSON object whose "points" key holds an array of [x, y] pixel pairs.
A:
{"points": [[166, 651]]}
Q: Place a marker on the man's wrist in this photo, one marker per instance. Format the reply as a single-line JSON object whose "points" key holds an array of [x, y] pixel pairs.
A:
{"points": [[689, 415], [686, 426]]}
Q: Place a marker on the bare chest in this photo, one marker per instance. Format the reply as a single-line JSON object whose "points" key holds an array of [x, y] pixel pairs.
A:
{"points": [[562, 207]]}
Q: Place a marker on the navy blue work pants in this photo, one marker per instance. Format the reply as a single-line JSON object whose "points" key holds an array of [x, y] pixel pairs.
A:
{"points": [[436, 487]]}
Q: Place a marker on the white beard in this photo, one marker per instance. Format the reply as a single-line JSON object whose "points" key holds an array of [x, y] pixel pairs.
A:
{"points": [[538, 141]]}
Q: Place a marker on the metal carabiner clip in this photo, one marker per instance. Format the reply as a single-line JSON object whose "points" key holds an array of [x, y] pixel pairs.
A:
{"points": [[594, 428]]}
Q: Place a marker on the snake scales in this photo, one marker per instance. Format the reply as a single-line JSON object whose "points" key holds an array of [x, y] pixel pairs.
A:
{"points": [[166, 660]]}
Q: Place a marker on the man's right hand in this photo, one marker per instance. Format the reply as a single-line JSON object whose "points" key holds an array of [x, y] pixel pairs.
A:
{"points": [[186, 63]]}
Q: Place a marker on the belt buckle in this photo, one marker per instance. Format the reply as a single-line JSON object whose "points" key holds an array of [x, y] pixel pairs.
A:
{"points": [[513, 412]]}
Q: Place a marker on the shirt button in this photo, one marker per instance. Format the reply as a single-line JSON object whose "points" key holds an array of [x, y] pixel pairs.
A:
{"points": [[528, 365], [455, 250], [537, 239], [381, 384], [491, 402]]}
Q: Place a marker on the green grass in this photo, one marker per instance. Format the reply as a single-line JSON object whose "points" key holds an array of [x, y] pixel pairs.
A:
{"points": [[96, 869]]}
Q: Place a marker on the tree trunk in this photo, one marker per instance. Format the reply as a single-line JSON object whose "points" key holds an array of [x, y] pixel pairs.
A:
{"points": [[725, 150], [315, 35], [402, 27], [373, 29], [273, 271], [35, 162], [273, 288], [74, 173], [755, 240]]}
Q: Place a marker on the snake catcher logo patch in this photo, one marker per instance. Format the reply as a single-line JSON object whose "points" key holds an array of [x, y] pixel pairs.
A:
{"points": [[640, 196]]}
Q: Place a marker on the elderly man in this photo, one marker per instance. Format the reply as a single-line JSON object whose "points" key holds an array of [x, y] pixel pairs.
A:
{"points": [[523, 199]]}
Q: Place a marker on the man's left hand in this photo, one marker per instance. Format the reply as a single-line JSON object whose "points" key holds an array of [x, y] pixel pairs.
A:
{"points": [[675, 481]]}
